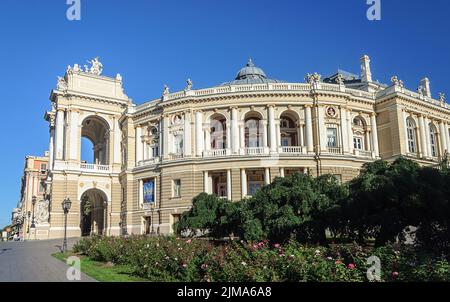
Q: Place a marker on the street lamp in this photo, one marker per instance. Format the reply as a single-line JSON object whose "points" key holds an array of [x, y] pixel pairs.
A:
{"points": [[152, 208], [66, 204], [33, 202], [28, 221]]}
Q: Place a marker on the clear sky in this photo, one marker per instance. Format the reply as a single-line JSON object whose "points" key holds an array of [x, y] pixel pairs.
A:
{"points": [[152, 43]]}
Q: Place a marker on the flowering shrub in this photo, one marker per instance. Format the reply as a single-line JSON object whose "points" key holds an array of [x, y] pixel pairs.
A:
{"points": [[175, 259]]}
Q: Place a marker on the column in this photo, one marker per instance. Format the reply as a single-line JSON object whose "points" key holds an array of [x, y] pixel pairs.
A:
{"points": [[447, 136], [308, 128], [405, 118], [234, 131], [199, 139], [281, 172], [300, 135], [207, 139], [228, 142], [367, 140], [278, 133], [187, 135], [51, 149], [165, 137], [242, 136], [427, 135], [423, 138], [264, 133], [74, 141], [322, 128], [373, 122], [59, 134], [243, 183], [349, 131], [272, 129], [266, 176], [229, 184], [206, 182], [443, 138], [344, 131], [117, 140], [139, 155]]}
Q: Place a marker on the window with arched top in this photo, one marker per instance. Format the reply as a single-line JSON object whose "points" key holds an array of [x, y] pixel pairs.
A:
{"points": [[253, 131], [411, 135], [357, 121], [433, 141]]}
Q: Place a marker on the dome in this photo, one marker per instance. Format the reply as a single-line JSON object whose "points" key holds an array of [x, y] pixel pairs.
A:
{"points": [[251, 74], [250, 71]]}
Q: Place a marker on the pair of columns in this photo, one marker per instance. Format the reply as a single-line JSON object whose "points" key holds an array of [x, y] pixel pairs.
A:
{"points": [[424, 136]]}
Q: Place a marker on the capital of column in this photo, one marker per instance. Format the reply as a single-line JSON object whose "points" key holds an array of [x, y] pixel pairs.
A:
{"points": [[308, 106]]}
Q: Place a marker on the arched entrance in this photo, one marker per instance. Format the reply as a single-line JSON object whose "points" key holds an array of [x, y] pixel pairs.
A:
{"points": [[93, 216]]}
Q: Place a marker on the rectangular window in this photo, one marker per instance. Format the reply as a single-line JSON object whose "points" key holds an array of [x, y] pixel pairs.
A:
{"points": [[253, 187], [155, 152], [358, 143], [332, 137], [176, 188], [43, 167], [285, 141], [148, 193]]}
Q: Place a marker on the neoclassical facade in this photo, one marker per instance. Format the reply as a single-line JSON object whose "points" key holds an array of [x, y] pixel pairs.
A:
{"points": [[150, 160]]}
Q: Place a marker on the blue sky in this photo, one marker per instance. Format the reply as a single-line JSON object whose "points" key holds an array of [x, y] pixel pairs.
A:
{"points": [[152, 43]]}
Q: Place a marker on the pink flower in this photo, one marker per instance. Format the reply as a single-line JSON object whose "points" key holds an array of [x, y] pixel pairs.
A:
{"points": [[338, 262], [184, 265], [394, 275], [351, 266], [277, 245]]}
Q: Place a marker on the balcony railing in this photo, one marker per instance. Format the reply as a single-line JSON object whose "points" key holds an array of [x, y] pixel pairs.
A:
{"points": [[148, 162], [254, 151], [363, 153], [95, 167], [216, 153], [176, 156], [293, 150], [334, 150]]}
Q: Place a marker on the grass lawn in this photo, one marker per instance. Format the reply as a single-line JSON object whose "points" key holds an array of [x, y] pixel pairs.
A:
{"points": [[102, 271]]}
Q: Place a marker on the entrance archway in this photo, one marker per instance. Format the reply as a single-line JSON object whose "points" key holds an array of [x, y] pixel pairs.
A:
{"points": [[93, 216]]}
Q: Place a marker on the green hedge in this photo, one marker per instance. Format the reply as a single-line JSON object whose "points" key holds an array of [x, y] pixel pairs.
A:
{"points": [[174, 259]]}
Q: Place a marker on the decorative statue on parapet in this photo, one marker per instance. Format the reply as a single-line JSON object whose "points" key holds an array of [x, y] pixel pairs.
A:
{"points": [[166, 90], [397, 82], [442, 98], [96, 66], [339, 79], [313, 78], [188, 85], [61, 85]]}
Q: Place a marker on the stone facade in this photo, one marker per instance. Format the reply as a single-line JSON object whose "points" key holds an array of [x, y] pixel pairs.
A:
{"points": [[150, 160]]}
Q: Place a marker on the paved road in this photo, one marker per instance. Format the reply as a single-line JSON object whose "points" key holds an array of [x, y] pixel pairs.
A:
{"points": [[31, 261]]}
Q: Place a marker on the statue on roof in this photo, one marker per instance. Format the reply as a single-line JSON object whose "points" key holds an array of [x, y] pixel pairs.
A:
{"points": [[166, 90], [96, 66], [189, 85]]}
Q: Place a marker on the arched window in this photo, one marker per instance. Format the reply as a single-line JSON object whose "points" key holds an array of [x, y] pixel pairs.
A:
{"points": [[218, 133], [433, 141], [288, 130], [411, 133], [95, 140], [253, 131]]}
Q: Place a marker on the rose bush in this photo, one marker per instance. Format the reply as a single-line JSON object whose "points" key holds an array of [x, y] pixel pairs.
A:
{"points": [[175, 259]]}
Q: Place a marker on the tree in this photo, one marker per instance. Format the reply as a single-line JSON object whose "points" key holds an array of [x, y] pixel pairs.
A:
{"points": [[379, 199], [209, 214]]}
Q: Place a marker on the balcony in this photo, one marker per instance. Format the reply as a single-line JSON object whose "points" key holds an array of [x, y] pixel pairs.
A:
{"points": [[216, 153], [174, 156], [292, 150], [148, 162], [363, 153], [334, 150], [95, 168], [254, 151]]}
